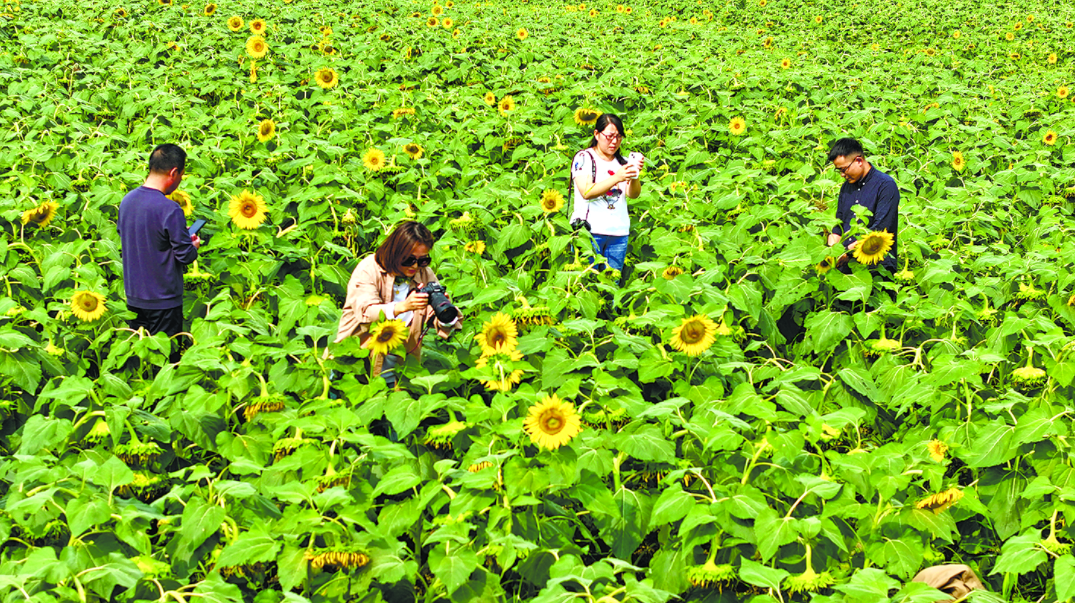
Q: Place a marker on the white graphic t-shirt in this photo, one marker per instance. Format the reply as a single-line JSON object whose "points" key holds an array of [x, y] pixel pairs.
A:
{"points": [[607, 214]]}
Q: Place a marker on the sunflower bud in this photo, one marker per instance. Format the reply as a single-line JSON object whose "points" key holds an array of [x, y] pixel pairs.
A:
{"points": [[710, 574]]}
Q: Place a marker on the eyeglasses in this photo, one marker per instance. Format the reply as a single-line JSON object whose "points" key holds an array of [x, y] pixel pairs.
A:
{"points": [[611, 137], [423, 262], [843, 170]]}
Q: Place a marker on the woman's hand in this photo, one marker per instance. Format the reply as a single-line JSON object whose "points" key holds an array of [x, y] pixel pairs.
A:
{"points": [[625, 172], [414, 301]]}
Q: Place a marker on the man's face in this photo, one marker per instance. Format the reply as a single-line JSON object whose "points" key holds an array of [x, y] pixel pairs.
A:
{"points": [[850, 168]]}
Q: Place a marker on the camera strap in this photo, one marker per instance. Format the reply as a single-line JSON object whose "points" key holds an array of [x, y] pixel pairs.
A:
{"points": [[593, 177]]}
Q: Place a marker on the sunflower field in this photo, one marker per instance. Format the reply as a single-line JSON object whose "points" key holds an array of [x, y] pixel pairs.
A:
{"points": [[733, 421]]}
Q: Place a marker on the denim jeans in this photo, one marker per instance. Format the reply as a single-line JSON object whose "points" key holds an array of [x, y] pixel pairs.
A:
{"points": [[613, 248]]}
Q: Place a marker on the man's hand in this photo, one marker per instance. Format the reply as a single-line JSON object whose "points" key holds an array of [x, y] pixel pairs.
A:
{"points": [[195, 241], [833, 239]]}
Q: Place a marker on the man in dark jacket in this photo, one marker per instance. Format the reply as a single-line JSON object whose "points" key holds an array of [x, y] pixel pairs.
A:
{"points": [[156, 245], [870, 188]]}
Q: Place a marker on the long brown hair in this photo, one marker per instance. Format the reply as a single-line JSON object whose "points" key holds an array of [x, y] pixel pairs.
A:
{"points": [[398, 246]]}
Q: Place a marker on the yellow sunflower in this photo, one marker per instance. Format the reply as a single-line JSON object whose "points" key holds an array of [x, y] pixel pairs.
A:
{"points": [[247, 210], [256, 47], [1009, 36], [373, 159], [941, 501], [873, 247], [326, 77], [737, 126], [447, 23], [552, 423], [438, 10], [521, 33], [818, 19], [1018, 26], [552, 201], [825, 265], [258, 27], [87, 306], [507, 104], [1062, 92], [1052, 58], [183, 199], [489, 98], [475, 247], [266, 130], [586, 117], [41, 215], [432, 22], [1049, 138], [386, 336], [936, 450], [121, 12], [694, 335], [235, 23], [958, 163], [498, 336], [956, 34], [671, 272], [413, 149], [505, 379], [593, 12], [785, 63], [458, 32], [210, 10], [326, 31], [449, 4]]}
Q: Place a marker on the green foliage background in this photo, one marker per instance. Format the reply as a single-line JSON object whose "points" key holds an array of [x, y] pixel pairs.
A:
{"points": [[776, 459]]}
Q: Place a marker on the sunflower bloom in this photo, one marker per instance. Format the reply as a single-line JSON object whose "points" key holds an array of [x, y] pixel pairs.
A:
{"points": [[671, 272], [210, 10], [247, 210], [1062, 92], [256, 47], [785, 63], [447, 23], [183, 199], [475, 247], [438, 10], [552, 201], [873, 247], [937, 449], [507, 105], [489, 98], [432, 22], [386, 336], [818, 19], [414, 150], [521, 33], [373, 159], [41, 215], [737, 126], [326, 78], [498, 336], [266, 130], [586, 117], [258, 27], [941, 501], [552, 423], [825, 265], [958, 163], [235, 23], [1052, 58], [1049, 138], [87, 306], [694, 335]]}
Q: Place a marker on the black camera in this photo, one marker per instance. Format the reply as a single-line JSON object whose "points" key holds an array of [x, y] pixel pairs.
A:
{"points": [[438, 300], [578, 223]]}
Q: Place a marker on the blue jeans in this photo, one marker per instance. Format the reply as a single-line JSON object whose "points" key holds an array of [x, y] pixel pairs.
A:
{"points": [[613, 248]]}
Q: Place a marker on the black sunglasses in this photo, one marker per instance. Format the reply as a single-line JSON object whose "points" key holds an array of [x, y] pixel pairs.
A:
{"points": [[423, 262]]}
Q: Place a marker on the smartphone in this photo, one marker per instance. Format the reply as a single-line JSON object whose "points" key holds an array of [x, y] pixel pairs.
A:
{"points": [[196, 226]]}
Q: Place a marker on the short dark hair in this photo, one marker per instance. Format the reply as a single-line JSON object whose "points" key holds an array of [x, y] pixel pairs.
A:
{"points": [[397, 247], [166, 157], [845, 147]]}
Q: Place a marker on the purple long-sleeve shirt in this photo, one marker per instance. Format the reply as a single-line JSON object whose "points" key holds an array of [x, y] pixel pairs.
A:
{"points": [[156, 246]]}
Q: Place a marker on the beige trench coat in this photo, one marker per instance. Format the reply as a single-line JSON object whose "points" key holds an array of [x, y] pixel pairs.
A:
{"points": [[369, 293]]}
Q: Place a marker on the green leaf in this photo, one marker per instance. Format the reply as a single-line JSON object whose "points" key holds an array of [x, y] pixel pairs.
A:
{"points": [[672, 505], [200, 521], [399, 479], [41, 432], [645, 442], [773, 531], [764, 576], [84, 514], [453, 564], [1064, 571], [625, 529], [249, 547], [992, 446], [826, 329], [1020, 555]]}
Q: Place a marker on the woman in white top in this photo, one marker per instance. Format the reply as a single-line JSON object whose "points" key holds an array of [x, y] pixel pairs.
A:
{"points": [[604, 180]]}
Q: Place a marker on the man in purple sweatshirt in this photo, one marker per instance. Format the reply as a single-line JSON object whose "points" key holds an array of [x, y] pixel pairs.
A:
{"points": [[156, 245]]}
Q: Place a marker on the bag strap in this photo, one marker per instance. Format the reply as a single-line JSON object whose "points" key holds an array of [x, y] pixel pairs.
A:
{"points": [[593, 179]]}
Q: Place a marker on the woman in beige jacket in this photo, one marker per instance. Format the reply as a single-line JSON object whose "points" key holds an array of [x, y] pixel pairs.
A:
{"points": [[384, 283]]}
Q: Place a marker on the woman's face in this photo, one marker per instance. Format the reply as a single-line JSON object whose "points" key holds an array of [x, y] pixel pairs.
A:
{"points": [[418, 252], [609, 139]]}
